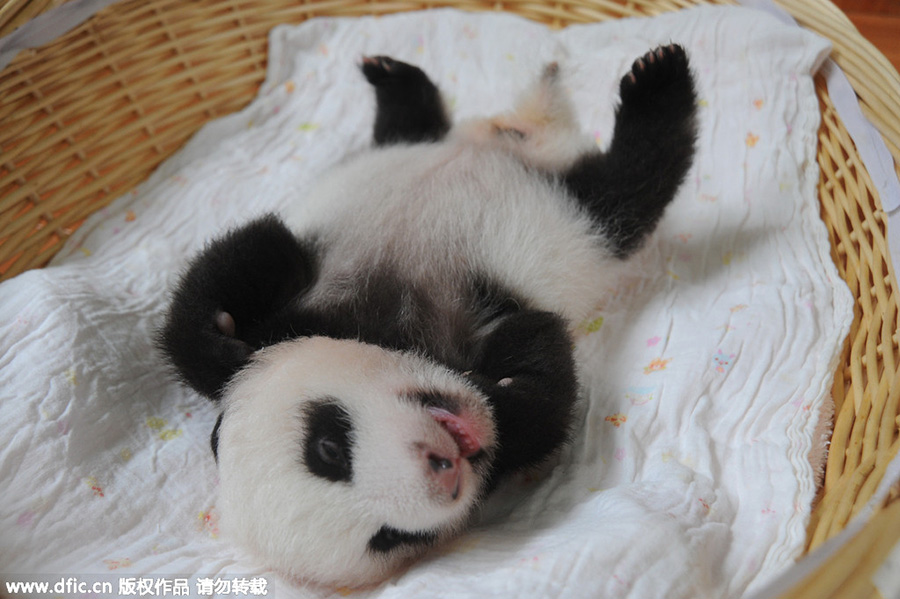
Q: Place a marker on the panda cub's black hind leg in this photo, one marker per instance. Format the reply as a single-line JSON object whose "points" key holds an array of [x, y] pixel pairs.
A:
{"points": [[409, 106], [628, 187], [236, 296]]}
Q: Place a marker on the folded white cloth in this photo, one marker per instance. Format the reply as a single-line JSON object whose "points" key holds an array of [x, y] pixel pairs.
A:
{"points": [[704, 377]]}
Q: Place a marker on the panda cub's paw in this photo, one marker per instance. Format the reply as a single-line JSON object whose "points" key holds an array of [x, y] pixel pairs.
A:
{"points": [[656, 76], [387, 74], [409, 105], [527, 345], [379, 68]]}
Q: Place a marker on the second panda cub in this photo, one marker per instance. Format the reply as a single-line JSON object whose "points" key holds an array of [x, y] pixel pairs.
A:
{"points": [[391, 346]]}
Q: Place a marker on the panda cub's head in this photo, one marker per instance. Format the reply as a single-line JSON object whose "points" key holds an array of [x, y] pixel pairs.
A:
{"points": [[345, 475]]}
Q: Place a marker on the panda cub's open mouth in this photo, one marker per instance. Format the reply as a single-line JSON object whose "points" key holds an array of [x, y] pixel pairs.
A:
{"points": [[472, 435], [461, 429], [465, 431]]}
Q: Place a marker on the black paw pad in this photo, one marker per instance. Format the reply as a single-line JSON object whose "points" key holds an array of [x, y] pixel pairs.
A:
{"points": [[655, 72]]}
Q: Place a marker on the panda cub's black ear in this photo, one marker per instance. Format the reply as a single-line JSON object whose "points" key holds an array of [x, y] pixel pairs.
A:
{"points": [[235, 298]]}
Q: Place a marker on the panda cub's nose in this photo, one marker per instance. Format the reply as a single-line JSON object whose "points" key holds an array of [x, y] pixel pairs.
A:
{"points": [[445, 474]]}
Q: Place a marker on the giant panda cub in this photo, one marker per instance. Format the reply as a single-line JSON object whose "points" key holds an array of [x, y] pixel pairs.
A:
{"points": [[395, 344]]}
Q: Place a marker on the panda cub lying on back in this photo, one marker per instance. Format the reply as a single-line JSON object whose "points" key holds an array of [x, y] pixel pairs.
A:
{"points": [[398, 342]]}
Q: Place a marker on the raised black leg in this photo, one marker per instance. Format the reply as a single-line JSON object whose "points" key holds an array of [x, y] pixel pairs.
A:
{"points": [[527, 371], [628, 187], [409, 105], [235, 297]]}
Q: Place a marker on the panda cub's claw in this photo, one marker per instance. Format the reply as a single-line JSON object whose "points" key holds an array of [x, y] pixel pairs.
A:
{"points": [[376, 68], [225, 323], [654, 72]]}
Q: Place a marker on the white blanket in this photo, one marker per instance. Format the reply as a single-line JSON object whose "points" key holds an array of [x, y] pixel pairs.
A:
{"points": [[703, 379]]}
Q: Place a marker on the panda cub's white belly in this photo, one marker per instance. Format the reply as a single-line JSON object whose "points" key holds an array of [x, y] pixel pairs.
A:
{"points": [[437, 213]]}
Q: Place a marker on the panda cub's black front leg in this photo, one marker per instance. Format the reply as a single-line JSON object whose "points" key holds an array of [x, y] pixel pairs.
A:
{"points": [[409, 106], [628, 187], [527, 370], [236, 296]]}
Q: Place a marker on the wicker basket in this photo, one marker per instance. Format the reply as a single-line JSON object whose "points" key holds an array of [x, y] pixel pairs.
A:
{"points": [[87, 117]]}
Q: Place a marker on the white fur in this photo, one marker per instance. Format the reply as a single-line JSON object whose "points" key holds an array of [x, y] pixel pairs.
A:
{"points": [[443, 210], [469, 204], [541, 132]]}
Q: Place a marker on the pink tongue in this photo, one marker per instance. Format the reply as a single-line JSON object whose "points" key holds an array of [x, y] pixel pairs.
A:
{"points": [[460, 429]]}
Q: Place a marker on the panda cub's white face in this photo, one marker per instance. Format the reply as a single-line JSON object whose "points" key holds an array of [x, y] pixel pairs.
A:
{"points": [[345, 475]]}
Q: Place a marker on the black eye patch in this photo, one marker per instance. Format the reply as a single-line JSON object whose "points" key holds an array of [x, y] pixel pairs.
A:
{"points": [[327, 448], [388, 539]]}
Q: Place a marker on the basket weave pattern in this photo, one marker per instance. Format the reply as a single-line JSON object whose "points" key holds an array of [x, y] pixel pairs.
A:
{"points": [[86, 118], [867, 385]]}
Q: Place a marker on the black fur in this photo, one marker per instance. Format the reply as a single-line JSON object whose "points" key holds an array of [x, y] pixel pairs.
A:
{"points": [[385, 308], [527, 371], [252, 274], [628, 187], [387, 539], [327, 445], [390, 310], [409, 106]]}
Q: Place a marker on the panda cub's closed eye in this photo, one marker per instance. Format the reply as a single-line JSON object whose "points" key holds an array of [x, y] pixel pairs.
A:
{"points": [[327, 447], [388, 539]]}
